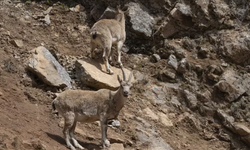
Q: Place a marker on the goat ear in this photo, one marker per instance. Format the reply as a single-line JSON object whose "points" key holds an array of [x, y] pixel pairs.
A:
{"points": [[119, 79], [118, 8], [130, 76]]}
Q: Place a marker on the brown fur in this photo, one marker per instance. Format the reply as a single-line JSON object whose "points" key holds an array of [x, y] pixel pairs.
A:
{"points": [[89, 106], [107, 32]]}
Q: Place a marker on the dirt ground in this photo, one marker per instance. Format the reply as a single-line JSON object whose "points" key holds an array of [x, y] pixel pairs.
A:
{"points": [[26, 119]]}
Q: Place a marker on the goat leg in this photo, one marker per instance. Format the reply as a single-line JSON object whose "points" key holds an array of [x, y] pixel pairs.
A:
{"points": [[104, 128], [105, 56], [68, 123], [119, 47], [71, 133], [93, 46]]}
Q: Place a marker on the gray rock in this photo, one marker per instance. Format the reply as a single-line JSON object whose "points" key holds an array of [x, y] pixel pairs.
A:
{"points": [[140, 19], [97, 11], [169, 29], [77, 8], [116, 146], [139, 76], [43, 63], [178, 20], [198, 68], [46, 19], [155, 58], [151, 139], [167, 75], [143, 122], [213, 77], [246, 139], [109, 13], [204, 96], [114, 123], [47, 11], [35, 144], [241, 129], [235, 45], [227, 120], [191, 99], [180, 53], [156, 94], [182, 68], [203, 52], [186, 117], [149, 113], [93, 74], [233, 84], [17, 43], [172, 61], [175, 101], [165, 120]]}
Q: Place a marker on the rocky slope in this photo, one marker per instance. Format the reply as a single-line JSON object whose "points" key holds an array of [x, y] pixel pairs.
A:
{"points": [[190, 63]]}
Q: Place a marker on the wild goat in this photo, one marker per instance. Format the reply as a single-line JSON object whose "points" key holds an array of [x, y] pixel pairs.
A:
{"points": [[89, 106], [107, 32]]}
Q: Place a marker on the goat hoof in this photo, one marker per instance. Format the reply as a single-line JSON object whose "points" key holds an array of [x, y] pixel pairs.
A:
{"points": [[106, 143], [71, 147], [80, 147], [110, 72]]}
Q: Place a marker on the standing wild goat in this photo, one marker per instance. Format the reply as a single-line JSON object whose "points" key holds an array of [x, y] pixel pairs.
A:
{"points": [[89, 106], [107, 32]]}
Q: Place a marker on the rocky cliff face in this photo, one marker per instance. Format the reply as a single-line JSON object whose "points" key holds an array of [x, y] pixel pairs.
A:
{"points": [[202, 45], [190, 61]]}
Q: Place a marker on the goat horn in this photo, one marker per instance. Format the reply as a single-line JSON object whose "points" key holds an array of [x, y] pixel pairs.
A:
{"points": [[123, 73], [130, 76]]}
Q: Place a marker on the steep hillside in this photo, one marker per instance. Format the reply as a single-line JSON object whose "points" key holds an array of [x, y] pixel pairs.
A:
{"points": [[190, 61]]}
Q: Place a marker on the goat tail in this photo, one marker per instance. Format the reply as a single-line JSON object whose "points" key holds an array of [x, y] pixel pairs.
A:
{"points": [[94, 34], [54, 107]]}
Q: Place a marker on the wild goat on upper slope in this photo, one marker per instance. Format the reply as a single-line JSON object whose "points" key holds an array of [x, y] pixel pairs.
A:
{"points": [[107, 32], [89, 106]]}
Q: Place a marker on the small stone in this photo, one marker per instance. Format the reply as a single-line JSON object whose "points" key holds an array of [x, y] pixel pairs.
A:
{"points": [[198, 68], [241, 129], [155, 58], [213, 77], [47, 19], [227, 120], [77, 8], [204, 96], [114, 123], [116, 146], [182, 66], [191, 99], [203, 52], [175, 101], [48, 11], [172, 61], [149, 113], [165, 120], [17, 43]]}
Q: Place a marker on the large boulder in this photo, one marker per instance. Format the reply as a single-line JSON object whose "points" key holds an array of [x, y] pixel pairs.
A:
{"points": [[179, 19], [200, 15], [233, 85], [93, 74], [235, 45], [47, 68], [142, 22]]}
